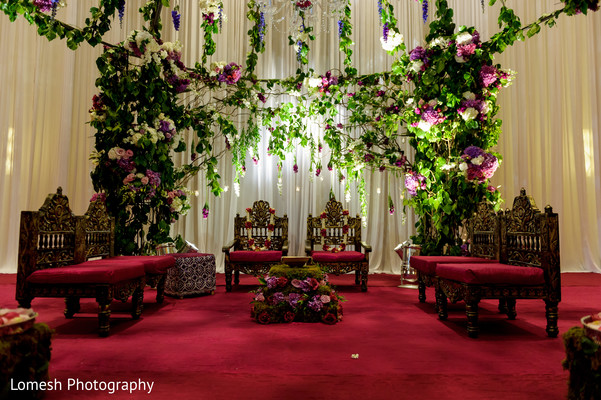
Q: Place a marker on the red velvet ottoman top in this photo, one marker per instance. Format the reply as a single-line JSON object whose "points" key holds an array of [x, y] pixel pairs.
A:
{"points": [[491, 274], [427, 264], [152, 264], [98, 271]]}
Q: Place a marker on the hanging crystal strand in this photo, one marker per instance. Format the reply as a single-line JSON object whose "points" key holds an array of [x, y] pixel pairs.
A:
{"points": [[121, 9]]}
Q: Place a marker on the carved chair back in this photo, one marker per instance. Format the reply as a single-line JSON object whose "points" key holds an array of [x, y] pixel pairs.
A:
{"points": [[99, 230], [334, 223], [530, 238], [484, 232], [260, 218], [47, 237]]}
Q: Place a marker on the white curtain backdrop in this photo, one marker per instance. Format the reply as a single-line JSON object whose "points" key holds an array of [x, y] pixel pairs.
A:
{"points": [[550, 141]]}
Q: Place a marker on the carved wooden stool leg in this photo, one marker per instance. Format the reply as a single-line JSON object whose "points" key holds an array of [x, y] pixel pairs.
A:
{"points": [[72, 306], [552, 313], [161, 288], [421, 290], [471, 309], [104, 319], [441, 304], [137, 300], [357, 277], [503, 306], [236, 277], [228, 278], [25, 302], [510, 308]]}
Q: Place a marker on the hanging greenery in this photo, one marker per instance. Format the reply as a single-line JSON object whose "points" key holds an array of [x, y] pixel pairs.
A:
{"points": [[439, 97]]}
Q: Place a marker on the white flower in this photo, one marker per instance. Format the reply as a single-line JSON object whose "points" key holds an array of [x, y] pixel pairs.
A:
{"points": [[463, 38], [209, 6], [217, 68], [460, 60], [113, 153], [469, 114], [410, 100], [433, 102], [176, 204], [416, 66], [463, 167], [394, 40], [469, 96], [438, 42], [478, 160], [314, 82], [424, 126], [448, 167]]}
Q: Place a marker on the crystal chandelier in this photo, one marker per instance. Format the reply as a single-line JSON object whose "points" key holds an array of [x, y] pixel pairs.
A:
{"points": [[317, 13]]}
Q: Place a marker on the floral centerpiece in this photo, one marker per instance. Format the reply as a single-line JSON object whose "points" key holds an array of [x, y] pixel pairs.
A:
{"points": [[290, 294]]}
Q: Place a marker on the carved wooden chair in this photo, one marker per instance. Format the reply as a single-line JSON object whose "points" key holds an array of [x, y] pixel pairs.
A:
{"points": [[483, 231], [338, 238], [51, 263], [529, 268], [260, 241]]}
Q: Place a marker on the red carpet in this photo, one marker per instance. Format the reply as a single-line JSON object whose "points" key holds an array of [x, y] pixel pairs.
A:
{"points": [[208, 347]]}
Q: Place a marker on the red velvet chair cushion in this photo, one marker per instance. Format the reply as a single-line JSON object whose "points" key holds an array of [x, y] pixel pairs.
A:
{"points": [[152, 264], [342, 256], [491, 273], [427, 264], [255, 256], [99, 271]]}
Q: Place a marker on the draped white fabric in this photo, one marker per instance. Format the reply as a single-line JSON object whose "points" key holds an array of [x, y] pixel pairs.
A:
{"points": [[550, 141]]}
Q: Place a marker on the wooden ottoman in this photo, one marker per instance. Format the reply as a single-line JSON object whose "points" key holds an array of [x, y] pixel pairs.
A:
{"points": [[193, 274]]}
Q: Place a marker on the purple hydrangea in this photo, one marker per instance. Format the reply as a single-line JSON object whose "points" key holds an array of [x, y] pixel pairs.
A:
{"points": [[432, 116], [278, 297], [488, 75], [414, 181], [315, 303], [473, 152], [293, 299], [419, 53], [272, 282]]}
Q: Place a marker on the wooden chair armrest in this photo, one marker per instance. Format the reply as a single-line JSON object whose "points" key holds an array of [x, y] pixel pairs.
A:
{"points": [[227, 247], [365, 246], [285, 248]]}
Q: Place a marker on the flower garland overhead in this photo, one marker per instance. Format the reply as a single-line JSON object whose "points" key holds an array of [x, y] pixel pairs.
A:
{"points": [[150, 106]]}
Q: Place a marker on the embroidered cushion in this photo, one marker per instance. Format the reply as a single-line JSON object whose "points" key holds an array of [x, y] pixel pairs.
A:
{"points": [[255, 256], [152, 264], [99, 271], [427, 264], [342, 256], [491, 273]]}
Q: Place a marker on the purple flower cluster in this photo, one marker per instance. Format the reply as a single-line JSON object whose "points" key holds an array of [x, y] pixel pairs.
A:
{"points": [[293, 299], [205, 211], [419, 53], [278, 297], [121, 9], [126, 164], [315, 303], [327, 80], [154, 178], [98, 196], [261, 27], [209, 18], [168, 131], [385, 31], [480, 164], [176, 16], [414, 181], [425, 10], [488, 75], [43, 5], [380, 9], [432, 116], [230, 74], [340, 27]]}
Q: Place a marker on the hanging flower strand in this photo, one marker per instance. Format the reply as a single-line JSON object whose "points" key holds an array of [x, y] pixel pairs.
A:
{"points": [[176, 16]]}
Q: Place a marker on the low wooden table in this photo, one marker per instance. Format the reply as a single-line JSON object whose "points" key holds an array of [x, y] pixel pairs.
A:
{"points": [[193, 274]]}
